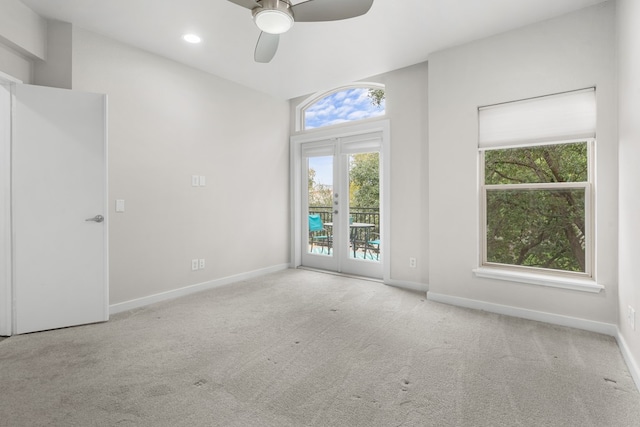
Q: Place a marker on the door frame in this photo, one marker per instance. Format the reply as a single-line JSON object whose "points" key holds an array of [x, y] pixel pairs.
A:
{"points": [[340, 131], [7, 83], [7, 257]]}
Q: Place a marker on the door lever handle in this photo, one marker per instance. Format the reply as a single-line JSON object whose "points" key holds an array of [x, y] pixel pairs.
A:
{"points": [[97, 218]]}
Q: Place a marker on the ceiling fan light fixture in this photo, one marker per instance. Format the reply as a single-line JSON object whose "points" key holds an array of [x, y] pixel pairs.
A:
{"points": [[274, 17]]}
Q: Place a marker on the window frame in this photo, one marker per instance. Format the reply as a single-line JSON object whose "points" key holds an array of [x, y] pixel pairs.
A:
{"points": [[527, 274]]}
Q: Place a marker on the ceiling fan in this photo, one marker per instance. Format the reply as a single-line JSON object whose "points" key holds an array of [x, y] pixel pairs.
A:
{"points": [[275, 17]]}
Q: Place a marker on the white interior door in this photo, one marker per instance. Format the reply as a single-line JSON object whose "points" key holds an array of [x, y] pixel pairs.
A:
{"points": [[341, 187], [59, 181]]}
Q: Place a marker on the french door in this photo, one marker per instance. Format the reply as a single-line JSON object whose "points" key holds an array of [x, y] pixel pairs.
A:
{"points": [[341, 204]]}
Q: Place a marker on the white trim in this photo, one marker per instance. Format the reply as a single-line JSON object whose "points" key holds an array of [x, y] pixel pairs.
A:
{"points": [[554, 281], [296, 141], [192, 289], [105, 209], [539, 316], [589, 214], [385, 199], [540, 143], [554, 319], [634, 369], [295, 191], [540, 186], [6, 288], [8, 78], [412, 286]]}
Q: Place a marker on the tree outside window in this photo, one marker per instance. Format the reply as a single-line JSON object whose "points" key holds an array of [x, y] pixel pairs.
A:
{"points": [[537, 206]]}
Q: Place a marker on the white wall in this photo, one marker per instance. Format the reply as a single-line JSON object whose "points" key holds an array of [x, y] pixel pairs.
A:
{"points": [[570, 52], [406, 109], [629, 136], [22, 39], [166, 123], [15, 65], [22, 29], [56, 71]]}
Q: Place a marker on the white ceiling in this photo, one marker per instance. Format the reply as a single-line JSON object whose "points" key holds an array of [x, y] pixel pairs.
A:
{"points": [[312, 56]]}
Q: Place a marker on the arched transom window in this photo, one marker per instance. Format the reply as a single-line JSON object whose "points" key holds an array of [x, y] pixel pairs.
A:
{"points": [[343, 105]]}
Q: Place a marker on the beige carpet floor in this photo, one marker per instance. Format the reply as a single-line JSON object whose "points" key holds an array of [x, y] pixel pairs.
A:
{"points": [[301, 348]]}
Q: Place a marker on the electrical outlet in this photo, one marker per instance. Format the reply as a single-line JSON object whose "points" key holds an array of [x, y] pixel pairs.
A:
{"points": [[201, 264], [631, 317], [194, 264], [412, 262]]}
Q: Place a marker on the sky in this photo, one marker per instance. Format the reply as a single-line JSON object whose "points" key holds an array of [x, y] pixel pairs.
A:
{"points": [[341, 107], [324, 169]]}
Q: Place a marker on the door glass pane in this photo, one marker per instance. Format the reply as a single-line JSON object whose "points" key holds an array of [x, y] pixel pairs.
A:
{"points": [[364, 206], [320, 203]]}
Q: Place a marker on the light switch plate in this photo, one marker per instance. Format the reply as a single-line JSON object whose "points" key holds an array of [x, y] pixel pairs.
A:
{"points": [[195, 180], [203, 180], [120, 205]]}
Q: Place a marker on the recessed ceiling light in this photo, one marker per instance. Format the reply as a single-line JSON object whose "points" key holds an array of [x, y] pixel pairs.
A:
{"points": [[191, 38]]}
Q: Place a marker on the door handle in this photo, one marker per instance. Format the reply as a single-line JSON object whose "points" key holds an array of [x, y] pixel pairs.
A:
{"points": [[97, 218]]}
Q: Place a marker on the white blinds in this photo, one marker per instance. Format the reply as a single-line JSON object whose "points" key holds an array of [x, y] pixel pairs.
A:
{"points": [[359, 143], [570, 115], [319, 148]]}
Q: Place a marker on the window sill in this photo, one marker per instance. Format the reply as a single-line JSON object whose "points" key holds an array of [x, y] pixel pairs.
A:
{"points": [[583, 285]]}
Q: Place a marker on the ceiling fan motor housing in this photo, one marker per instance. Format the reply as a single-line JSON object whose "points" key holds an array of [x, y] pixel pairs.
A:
{"points": [[273, 16]]}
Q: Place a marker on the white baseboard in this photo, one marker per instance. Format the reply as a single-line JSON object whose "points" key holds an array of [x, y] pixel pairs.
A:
{"points": [[555, 319], [413, 286], [634, 369], [187, 290], [540, 316]]}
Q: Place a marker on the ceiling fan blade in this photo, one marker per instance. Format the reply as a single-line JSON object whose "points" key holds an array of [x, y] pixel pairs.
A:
{"points": [[266, 47], [249, 4], [329, 10]]}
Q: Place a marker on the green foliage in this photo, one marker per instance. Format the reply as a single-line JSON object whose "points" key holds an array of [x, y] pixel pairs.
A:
{"points": [[537, 227], [545, 163], [319, 194], [364, 180], [376, 96]]}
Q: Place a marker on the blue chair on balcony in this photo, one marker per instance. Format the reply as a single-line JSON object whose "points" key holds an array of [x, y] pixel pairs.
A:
{"points": [[318, 235], [372, 245]]}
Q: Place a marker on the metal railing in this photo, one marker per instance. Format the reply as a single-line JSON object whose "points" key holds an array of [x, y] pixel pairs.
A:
{"points": [[366, 215]]}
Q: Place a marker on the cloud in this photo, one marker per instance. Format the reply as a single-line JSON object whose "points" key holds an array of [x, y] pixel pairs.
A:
{"points": [[340, 107]]}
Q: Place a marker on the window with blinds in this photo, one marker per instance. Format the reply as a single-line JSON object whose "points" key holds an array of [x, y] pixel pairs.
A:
{"points": [[536, 183]]}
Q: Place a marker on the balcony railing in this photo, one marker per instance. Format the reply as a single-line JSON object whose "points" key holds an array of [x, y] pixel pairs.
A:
{"points": [[366, 215]]}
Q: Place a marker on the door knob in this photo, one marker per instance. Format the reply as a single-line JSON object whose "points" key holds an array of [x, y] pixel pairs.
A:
{"points": [[97, 218]]}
